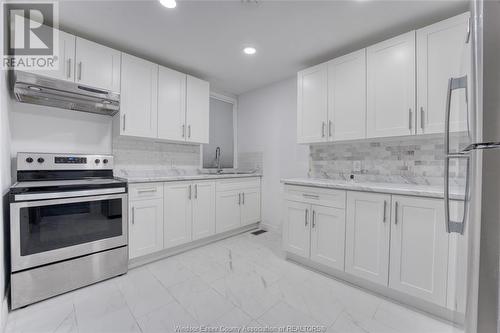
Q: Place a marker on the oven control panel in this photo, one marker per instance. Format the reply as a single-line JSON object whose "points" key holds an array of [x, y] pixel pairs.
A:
{"points": [[48, 161]]}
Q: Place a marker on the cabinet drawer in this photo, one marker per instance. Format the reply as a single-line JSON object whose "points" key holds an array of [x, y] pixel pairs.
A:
{"points": [[145, 191], [238, 184], [316, 196]]}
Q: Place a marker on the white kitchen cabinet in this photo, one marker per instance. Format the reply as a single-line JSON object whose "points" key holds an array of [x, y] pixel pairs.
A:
{"points": [[145, 227], [65, 61], [312, 104], [228, 211], [442, 53], [419, 248], [347, 97], [197, 110], [367, 236], [250, 206], [139, 102], [391, 87], [97, 66], [297, 228], [328, 236], [203, 210], [171, 104], [178, 213]]}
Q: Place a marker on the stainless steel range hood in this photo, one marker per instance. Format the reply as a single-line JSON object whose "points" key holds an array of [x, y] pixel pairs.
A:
{"points": [[36, 89]]}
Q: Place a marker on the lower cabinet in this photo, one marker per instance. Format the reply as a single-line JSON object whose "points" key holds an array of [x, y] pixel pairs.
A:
{"points": [[396, 241], [315, 232], [367, 236], [238, 204], [166, 215], [145, 227], [419, 248]]}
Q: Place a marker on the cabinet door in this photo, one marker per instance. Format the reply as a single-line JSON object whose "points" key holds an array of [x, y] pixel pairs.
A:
{"points": [[138, 106], [250, 206], [203, 210], [347, 97], [328, 236], [391, 87], [145, 227], [177, 222], [419, 248], [197, 110], [171, 104], [296, 236], [66, 59], [97, 65], [312, 104], [367, 236], [228, 211], [442, 53]]}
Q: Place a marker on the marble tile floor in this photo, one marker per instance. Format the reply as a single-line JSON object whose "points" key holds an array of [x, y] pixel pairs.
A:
{"points": [[240, 281]]}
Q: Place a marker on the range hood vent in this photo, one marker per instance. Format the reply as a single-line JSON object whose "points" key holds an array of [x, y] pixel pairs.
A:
{"points": [[35, 89]]}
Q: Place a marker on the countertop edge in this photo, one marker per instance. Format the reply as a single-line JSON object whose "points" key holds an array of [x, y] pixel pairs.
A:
{"points": [[137, 180]]}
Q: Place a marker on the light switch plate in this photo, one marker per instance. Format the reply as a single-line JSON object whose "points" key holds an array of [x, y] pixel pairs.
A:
{"points": [[356, 166]]}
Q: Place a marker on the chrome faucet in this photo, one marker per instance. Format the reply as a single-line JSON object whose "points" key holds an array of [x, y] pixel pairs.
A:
{"points": [[217, 159]]}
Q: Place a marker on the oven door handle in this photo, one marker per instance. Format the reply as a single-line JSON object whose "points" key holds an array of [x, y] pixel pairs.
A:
{"points": [[68, 194], [59, 201]]}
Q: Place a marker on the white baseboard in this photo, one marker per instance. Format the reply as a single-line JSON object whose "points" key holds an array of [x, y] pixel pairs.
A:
{"points": [[4, 313]]}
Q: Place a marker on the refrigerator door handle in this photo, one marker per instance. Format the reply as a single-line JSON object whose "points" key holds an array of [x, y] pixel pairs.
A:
{"points": [[453, 84], [455, 226]]}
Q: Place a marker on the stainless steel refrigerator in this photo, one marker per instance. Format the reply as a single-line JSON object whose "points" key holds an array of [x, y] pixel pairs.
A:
{"points": [[478, 154]]}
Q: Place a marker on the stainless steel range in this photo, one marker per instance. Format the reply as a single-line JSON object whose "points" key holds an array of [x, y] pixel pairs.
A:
{"points": [[68, 224]]}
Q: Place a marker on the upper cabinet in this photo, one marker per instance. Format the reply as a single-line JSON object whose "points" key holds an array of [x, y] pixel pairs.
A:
{"points": [[97, 65], [391, 87], [171, 104], [347, 97], [197, 110], [139, 97], [312, 104], [442, 53]]}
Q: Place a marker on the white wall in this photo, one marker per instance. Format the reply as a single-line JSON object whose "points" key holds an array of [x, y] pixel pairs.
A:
{"points": [[4, 186], [267, 123]]}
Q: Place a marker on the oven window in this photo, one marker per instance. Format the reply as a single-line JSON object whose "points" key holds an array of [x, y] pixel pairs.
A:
{"points": [[53, 227]]}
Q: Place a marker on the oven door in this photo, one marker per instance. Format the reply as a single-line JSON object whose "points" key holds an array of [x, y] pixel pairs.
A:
{"points": [[48, 231]]}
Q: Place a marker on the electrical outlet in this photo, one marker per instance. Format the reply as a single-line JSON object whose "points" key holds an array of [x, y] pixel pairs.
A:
{"points": [[356, 166]]}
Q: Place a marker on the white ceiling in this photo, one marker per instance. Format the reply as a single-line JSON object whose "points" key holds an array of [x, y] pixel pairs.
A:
{"points": [[205, 38]]}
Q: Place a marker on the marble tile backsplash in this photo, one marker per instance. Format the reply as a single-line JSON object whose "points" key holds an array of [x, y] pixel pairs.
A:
{"points": [[132, 154], [415, 160]]}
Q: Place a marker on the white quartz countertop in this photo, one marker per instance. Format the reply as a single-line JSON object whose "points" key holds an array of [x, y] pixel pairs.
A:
{"points": [[391, 188], [172, 178]]}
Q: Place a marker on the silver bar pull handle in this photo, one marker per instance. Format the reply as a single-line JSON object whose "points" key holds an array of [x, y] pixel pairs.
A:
{"points": [[422, 117], [453, 84], [409, 119], [314, 219], [145, 190], [196, 191], [467, 35], [80, 71], [189, 192], [243, 197], [124, 119], [330, 125], [189, 131], [183, 130], [385, 209], [239, 199], [396, 213], [133, 215], [323, 125], [455, 226], [68, 74], [306, 218], [310, 196]]}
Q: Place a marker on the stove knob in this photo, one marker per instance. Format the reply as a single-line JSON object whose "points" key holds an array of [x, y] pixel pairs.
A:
{"points": [[40, 160], [97, 161], [29, 160], [105, 161]]}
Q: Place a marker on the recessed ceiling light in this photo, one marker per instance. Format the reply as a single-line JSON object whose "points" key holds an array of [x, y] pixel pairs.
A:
{"points": [[249, 50], [169, 3]]}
